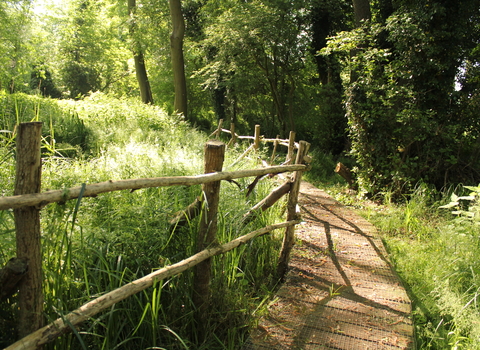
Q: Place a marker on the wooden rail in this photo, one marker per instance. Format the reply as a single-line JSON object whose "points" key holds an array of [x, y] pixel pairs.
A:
{"points": [[207, 246], [92, 190], [64, 323]]}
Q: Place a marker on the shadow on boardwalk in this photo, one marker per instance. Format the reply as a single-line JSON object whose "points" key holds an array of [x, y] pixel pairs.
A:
{"points": [[341, 291]]}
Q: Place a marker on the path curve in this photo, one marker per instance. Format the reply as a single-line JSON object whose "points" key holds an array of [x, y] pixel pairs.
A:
{"points": [[341, 291]]}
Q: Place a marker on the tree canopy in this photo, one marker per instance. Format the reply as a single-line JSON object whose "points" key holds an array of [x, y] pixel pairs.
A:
{"points": [[392, 84]]}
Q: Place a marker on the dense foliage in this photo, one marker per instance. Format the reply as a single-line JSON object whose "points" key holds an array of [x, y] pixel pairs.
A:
{"points": [[392, 91], [409, 111], [397, 92]]}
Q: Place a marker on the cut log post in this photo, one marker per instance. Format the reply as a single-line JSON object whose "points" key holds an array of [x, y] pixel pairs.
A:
{"points": [[291, 147], [27, 226], [289, 238], [214, 157], [219, 129], [10, 276], [344, 172], [256, 141]]}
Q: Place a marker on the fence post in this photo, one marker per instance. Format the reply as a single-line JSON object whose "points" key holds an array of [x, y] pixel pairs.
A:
{"points": [[275, 145], [219, 129], [27, 226], [289, 238], [256, 141], [214, 156], [234, 136], [291, 147]]}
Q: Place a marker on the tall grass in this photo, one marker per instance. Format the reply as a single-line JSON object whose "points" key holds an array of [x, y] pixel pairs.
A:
{"points": [[94, 245], [434, 252], [436, 255]]}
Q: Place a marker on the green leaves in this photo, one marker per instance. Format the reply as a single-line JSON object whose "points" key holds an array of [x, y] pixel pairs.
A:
{"points": [[466, 206]]}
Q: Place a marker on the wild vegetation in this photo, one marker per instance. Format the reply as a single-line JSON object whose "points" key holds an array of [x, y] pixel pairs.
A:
{"points": [[435, 252], [95, 245], [393, 84], [432, 238], [390, 88]]}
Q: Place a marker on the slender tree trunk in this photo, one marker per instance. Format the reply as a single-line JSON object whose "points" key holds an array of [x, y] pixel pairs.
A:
{"points": [[140, 70], [361, 8], [142, 78], [176, 48]]}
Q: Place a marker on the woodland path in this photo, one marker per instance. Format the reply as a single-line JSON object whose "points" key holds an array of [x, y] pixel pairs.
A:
{"points": [[341, 291]]}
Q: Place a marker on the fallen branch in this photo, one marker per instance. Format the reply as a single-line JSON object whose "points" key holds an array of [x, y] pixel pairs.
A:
{"points": [[268, 201], [62, 325], [186, 215]]}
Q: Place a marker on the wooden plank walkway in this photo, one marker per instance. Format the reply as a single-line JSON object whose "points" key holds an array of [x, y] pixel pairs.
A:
{"points": [[341, 291]]}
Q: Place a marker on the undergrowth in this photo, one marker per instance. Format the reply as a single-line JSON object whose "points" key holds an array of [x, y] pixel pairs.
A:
{"points": [[433, 240], [94, 245], [436, 255]]}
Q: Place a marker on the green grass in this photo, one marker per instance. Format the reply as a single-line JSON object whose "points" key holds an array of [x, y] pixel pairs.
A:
{"points": [[434, 252], [436, 255], [94, 245]]}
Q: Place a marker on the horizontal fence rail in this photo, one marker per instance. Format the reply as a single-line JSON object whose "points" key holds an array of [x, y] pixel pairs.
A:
{"points": [[65, 323], [92, 190]]}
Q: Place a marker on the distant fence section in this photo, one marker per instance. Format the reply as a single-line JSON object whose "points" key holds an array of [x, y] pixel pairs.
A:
{"points": [[24, 272]]}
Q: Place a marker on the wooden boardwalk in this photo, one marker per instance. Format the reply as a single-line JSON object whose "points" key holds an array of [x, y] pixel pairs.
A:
{"points": [[340, 292]]}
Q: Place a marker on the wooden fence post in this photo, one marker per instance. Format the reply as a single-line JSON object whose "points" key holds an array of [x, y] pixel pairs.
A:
{"points": [[289, 238], [214, 157], [275, 145], [219, 129], [27, 226], [291, 147], [234, 136], [256, 141]]}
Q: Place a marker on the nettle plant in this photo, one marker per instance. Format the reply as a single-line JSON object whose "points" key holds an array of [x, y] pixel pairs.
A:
{"points": [[466, 206]]}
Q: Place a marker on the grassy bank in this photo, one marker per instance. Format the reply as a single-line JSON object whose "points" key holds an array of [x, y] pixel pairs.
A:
{"points": [[434, 251], [436, 254], [97, 244]]}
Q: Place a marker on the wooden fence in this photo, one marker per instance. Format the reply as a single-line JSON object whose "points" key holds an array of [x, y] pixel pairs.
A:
{"points": [[24, 273]]}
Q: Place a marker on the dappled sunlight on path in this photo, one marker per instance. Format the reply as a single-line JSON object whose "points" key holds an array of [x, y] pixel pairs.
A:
{"points": [[341, 291]]}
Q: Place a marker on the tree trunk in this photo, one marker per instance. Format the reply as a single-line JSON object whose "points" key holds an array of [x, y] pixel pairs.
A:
{"points": [[361, 8], [176, 48], [140, 70], [142, 78]]}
